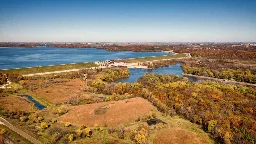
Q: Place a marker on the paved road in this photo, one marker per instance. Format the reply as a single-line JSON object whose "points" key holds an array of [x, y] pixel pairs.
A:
{"points": [[18, 131], [54, 72]]}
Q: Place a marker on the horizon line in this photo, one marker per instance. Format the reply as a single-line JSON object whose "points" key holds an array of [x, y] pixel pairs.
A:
{"points": [[128, 42]]}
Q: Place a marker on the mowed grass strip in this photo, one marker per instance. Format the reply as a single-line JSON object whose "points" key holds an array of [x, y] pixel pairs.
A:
{"points": [[42, 69], [145, 59]]}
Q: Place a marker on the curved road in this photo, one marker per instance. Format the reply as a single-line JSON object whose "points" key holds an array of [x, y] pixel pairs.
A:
{"points": [[18, 131]]}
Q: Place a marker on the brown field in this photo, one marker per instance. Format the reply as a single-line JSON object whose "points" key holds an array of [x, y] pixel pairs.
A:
{"points": [[178, 136], [108, 113], [16, 103], [59, 93]]}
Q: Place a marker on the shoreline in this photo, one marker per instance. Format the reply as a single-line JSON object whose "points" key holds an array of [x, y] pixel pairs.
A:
{"points": [[130, 63]]}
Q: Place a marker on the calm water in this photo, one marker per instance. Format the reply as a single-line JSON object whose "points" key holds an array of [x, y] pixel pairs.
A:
{"points": [[36, 103], [43, 56], [172, 69]]}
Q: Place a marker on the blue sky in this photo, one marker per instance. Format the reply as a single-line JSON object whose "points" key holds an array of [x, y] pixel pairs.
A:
{"points": [[128, 20]]}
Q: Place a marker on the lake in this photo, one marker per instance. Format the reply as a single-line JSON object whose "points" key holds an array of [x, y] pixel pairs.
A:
{"points": [[43, 56]]}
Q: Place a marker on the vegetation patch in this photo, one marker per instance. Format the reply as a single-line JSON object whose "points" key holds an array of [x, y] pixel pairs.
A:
{"points": [[221, 72], [102, 110], [16, 103], [61, 92], [155, 121], [178, 136]]}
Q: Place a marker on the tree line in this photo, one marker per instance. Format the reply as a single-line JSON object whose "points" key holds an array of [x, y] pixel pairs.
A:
{"points": [[239, 75]]}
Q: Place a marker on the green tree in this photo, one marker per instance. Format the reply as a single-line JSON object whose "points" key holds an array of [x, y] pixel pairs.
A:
{"points": [[71, 137], [44, 125], [88, 132], [211, 125]]}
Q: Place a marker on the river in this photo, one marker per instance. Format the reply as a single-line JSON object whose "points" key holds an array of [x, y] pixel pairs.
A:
{"points": [[171, 69]]}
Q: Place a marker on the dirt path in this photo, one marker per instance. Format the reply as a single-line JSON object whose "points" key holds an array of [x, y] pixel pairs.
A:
{"points": [[18, 131]]}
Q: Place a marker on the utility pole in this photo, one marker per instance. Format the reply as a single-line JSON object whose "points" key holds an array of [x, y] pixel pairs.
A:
{"points": [[85, 79]]}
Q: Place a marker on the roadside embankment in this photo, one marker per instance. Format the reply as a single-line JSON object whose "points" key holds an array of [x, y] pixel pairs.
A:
{"points": [[53, 68], [203, 78]]}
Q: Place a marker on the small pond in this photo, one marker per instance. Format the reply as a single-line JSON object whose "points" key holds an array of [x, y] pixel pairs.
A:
{"points": [[36, 103], [155, 121]]}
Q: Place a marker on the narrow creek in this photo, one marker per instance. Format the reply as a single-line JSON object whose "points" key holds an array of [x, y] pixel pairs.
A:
{"points": [[36, 103]]}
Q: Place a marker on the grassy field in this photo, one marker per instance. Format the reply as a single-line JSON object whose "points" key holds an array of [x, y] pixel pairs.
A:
{"points": [[42, 69], [16, 103], [111, 113], [56, 93], [145, 59], [179, 131]]}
